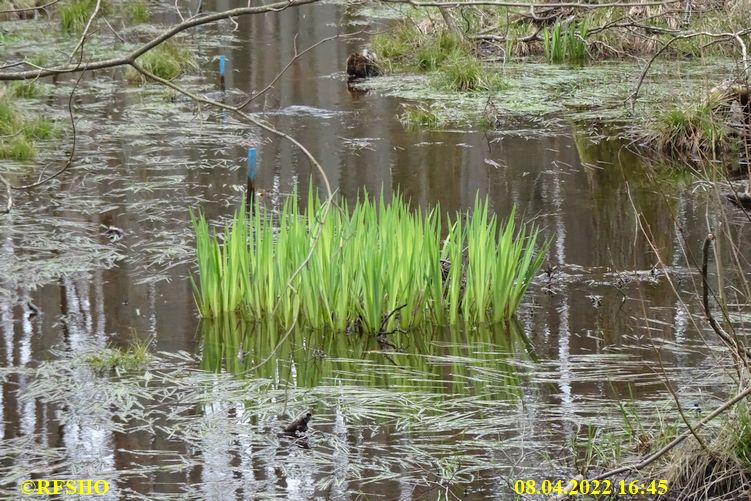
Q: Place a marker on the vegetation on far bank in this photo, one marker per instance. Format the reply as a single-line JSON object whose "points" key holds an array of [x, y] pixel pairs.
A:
{"points": [[463, 54]]}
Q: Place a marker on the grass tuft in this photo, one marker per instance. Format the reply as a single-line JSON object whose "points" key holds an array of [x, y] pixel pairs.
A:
{"points": [[75, 15], [137, 12], [135, 357], [17, 148], [466, 74], [367, 262], [167, 61], [26, 89], [698, 130], [18, 133]]}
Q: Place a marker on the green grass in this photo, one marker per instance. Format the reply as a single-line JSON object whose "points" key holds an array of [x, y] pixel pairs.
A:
{"points": [[25, 89], [17, 148], [366, 263], [39, 59], [75, 15], [432, 53], [167, 61], [404, 48], [463, 73], [690, 130], [18, 133], [137, 12], [566, 46], [419, 115], [40, 128], [396, 46], [135, 357]]}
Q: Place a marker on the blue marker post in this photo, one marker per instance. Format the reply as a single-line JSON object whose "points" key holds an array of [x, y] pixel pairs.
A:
{"points": [[251, 194], [221, 73]]}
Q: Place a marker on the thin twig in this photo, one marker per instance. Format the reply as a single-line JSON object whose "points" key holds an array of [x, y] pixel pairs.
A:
{"points": [[85, 31]]}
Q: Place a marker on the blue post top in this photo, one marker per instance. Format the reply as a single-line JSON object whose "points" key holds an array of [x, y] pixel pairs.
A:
{"points": [[221, 65], [252, 164]]}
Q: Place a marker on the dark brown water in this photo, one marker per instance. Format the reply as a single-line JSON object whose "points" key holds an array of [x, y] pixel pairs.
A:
{"points": [[451, 413]]}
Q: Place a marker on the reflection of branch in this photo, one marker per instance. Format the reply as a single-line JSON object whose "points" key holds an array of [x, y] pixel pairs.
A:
{"points": [[297, 55], [166, 35]]}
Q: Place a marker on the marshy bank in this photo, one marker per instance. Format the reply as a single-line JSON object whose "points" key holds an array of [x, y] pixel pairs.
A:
{"points": [[109, 373], [478, 48]]}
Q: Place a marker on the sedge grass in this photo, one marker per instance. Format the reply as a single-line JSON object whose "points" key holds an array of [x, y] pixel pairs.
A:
{"points": [[365, 263], [566, 46]]}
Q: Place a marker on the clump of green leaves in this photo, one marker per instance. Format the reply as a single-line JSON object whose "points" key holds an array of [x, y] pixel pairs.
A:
{"points": [[566, 46], [366, 263], [135, 357], [167, 61], [75, 15], [18, 133]]}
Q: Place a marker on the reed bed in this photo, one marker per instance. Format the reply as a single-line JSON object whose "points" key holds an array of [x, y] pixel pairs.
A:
{"points": [[374, 268]]}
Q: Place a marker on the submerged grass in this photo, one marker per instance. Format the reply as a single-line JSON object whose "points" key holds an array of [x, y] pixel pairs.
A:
{"points": [[366, 264], [136, 356], [420, 115]]}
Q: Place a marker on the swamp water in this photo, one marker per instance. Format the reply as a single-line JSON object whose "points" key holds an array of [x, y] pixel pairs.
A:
{"points": [[435, 413]]}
